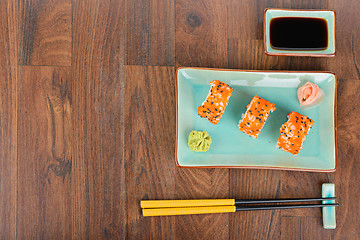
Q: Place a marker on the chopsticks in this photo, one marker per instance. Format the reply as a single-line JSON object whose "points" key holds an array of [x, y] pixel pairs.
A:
{"points": [[147, 212], [204, 206], [220, 202]]}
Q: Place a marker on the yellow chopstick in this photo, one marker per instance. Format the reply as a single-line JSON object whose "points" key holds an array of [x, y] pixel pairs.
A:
{"points": [[187, 210], [186, 203]]}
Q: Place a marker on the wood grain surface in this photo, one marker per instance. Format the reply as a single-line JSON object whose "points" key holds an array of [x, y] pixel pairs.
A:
{"points": [[87, 119], [147, 140], [97, 107], [45, 29], [44, 135]]}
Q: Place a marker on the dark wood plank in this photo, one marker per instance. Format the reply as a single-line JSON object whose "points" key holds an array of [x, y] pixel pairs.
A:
{"points": [[150, 27], [347, 60], [149, 141], [200, 184], [246, 23], [347, 175], [311, 4], [201, 33], [304, 64], [255, 184], [8, 118], [303, 228], [249, 55], [45, 32], [97, 93], [44, 153]]}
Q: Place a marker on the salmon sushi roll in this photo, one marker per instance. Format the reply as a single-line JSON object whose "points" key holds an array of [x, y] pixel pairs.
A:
{"points": [[293, 133], [215, 103], [255, 116]]}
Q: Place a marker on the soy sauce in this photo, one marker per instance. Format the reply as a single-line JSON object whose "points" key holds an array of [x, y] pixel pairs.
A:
{"points": [[296, 33]]}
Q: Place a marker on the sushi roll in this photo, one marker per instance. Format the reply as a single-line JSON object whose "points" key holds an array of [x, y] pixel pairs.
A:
{"points": [[255, 116], [293, 133], [215, 103]]}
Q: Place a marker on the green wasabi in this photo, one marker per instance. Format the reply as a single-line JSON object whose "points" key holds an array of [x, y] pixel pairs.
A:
{"points": [[199, 141]]}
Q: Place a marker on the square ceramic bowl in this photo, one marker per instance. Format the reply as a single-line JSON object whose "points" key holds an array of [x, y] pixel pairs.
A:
{"points": [[231, 148], [327, 15]]}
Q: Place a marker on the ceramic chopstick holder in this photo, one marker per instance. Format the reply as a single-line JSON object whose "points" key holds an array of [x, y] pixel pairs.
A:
{"points": [[329, 219]]}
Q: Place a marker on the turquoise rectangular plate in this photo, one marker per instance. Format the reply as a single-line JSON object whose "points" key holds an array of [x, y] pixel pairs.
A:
{"points": [[327, 15], [232, 148]]}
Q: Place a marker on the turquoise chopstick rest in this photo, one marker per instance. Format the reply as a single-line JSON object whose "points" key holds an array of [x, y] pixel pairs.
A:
{"points": [[329, 219]]}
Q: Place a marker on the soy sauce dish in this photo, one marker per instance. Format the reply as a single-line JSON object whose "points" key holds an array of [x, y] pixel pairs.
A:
{"points": [[299, 32]]}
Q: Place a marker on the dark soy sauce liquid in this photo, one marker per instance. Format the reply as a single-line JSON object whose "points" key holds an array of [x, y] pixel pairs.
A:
{"points": [[295, 33]]}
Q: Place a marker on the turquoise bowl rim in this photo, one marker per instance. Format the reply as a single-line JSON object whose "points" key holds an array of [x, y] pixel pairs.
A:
{"points": [[274, 52]]}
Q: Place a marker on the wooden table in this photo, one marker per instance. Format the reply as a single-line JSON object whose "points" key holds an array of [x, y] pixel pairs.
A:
{"points": [[87, 119]]}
